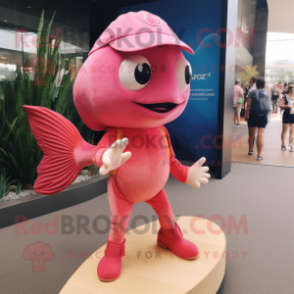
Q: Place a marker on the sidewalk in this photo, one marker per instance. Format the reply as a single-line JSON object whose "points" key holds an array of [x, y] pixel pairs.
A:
{"points": [[272, 153]]}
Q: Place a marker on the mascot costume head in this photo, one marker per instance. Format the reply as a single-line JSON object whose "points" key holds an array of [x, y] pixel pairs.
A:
{"points": [[135, 80]]}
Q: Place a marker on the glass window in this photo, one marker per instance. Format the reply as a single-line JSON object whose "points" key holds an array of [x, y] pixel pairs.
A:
{"points": [[41, 52], [280, 67]]}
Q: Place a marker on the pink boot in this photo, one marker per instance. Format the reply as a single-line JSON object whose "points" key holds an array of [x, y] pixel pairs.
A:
{"points": [[173, 240], [109, 266]]}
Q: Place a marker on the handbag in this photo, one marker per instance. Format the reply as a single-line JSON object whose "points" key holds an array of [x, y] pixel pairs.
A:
{"points": [[240, 100]]}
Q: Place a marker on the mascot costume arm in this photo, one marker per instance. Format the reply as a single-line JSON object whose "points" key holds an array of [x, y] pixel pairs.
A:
{"points": [[108, 155], [194, 175]]}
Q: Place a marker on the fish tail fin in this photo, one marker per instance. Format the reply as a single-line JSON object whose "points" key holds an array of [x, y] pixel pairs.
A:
{"points": [[65, 151]]}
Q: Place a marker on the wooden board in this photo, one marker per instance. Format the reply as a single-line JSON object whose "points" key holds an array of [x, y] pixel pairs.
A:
{"points": [[147, 268]]}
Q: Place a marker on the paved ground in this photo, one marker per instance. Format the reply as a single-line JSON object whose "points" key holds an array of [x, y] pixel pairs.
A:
{"points": [[262, 196]]}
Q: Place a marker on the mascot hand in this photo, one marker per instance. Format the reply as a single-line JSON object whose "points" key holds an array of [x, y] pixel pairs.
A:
{"points": [[197, 174], [114, 156]]}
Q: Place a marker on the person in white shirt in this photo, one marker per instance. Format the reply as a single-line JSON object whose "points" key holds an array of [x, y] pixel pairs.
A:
{"points": [[276, 94], [252, 83], [287, 104]]}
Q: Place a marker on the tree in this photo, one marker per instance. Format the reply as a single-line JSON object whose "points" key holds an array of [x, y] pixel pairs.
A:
{"points": [[247, 72], [279, 75]]}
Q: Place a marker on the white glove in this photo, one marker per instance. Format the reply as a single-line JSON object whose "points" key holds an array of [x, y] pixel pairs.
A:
{"points": [[197, 174], [114, 156]]}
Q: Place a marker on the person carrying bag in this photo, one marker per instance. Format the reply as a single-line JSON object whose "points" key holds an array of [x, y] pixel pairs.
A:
{"points": [[258, 107], [237, 102]]}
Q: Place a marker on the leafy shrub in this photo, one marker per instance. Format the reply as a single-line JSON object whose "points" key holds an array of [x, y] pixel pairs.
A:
{"points": [[19, 152], [4, 184]]}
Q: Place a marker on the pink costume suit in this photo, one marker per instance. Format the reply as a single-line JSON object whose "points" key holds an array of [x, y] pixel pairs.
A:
{"points": [[142, 177], [135, 90]]}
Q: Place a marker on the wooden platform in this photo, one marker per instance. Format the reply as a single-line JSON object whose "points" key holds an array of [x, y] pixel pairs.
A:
{"points": [[148, 268], [272, 153]]}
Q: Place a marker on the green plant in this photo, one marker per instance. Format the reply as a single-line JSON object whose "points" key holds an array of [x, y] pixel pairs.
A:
{"points": [[279, 73], [5, 128], [93, 170], [19, 152], [247, 73], [12, 188], [18, 188], [4, 184]]}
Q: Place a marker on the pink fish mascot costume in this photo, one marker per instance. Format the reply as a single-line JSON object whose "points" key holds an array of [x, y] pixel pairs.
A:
{"points": [[134, 81]]}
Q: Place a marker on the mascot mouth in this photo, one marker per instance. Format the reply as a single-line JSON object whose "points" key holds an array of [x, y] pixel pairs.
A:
{"points": [[159, 107]]}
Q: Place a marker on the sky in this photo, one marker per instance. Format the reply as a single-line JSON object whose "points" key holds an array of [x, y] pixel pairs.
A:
{"points": [[280, 46]]}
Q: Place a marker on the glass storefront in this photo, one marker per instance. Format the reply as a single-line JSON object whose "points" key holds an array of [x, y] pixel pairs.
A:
{"points": [[279, 59], [43, 44], [18, 35], [245, 25]]}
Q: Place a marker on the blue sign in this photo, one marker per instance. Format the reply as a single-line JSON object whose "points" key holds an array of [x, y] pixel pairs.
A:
{"points": [[197, 23]]}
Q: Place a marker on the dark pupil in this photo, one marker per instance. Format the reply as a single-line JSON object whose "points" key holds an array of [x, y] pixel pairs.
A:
{"points": [[143, 73], [188, 75]]}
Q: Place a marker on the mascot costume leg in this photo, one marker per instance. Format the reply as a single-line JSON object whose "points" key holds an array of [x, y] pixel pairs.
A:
{"points": [[135, 80]]}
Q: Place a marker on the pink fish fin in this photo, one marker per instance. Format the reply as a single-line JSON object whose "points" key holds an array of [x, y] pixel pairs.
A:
{"points": [[65, 151]]}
